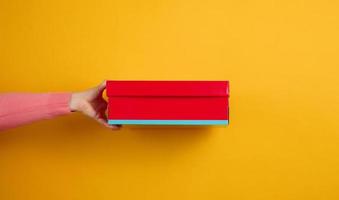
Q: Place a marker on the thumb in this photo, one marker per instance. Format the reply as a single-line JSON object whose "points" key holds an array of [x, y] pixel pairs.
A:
{"points": [[102, 86], [97, 91]]}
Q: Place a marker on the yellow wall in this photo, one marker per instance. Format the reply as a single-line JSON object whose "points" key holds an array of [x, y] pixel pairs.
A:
{"points": [[282, 60]]}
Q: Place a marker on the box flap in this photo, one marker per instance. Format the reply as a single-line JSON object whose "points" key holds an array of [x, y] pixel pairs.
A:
{"points": [[167, 88]]}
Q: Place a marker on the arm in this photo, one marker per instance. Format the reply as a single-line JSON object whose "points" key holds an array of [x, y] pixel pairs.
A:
{"points": [[22, 108]]}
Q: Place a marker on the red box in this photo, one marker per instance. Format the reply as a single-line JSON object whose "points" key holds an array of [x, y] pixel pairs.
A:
{"points": [[168, 102]]}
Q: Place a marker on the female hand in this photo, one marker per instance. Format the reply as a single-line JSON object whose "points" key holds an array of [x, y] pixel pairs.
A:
{"points": [[92, 104]]}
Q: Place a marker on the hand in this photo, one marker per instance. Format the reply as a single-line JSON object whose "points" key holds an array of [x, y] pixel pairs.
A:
{"points": [[92, 104]]}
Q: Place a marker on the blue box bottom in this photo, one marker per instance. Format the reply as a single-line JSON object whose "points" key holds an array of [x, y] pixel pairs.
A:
{"points": [[168, 122]]}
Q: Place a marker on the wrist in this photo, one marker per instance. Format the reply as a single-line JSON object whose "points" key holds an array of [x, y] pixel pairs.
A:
{"points": [[73, 103]]}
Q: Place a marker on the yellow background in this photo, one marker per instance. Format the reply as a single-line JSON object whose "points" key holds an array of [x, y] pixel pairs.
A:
{"points": [[282, 60]]}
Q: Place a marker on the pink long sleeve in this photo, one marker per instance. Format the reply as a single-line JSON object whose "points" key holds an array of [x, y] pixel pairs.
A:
{"points": [[22, 108]]}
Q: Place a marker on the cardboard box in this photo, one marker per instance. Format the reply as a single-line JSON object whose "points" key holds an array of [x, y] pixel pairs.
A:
{"points": [[168, 102]]}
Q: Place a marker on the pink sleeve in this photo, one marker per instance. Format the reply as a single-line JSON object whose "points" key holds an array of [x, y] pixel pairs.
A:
{"points": [[22, 108]]}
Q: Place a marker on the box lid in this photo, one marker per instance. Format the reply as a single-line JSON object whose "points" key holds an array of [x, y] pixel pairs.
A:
{"points": [[167, 88]]}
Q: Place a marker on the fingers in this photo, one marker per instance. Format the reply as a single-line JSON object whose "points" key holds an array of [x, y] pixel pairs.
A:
{"points": [[101, 107], [104, 122], [101, 110], [97, 115], [95, 106]]}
